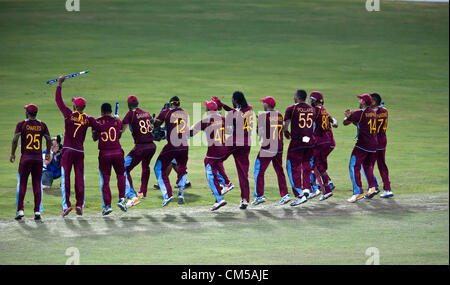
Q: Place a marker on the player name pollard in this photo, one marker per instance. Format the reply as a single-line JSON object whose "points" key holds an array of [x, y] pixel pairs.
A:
{"points": [[240, 274]]}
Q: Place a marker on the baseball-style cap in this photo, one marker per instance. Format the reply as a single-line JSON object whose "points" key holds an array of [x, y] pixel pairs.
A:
{"points": [[211, 105], [366, 98], [132, 99], [31, 108], [316, 95], [79, 102], [269, 101]]}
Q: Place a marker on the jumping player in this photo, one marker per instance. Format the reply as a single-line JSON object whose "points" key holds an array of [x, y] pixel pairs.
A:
{"points": [[214, 127], [176, 122], [76, 124], [239, 122], [140, 122], [270, 127], [30, 131], [300, 117], [110, 155], [382, 121], [364, 152], [323, 146]]}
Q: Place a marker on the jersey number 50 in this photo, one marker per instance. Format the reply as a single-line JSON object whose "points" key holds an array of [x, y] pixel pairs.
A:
{"points": [[111, 135]]}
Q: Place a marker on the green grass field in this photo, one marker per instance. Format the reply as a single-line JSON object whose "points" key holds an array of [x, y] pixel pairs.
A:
{"points": [[198, 49]]}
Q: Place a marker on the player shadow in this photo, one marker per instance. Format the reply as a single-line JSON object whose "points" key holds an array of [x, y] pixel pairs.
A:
{"points": [[188, 219], [80, 227], [267, 214], [191, 197], [110, 223], [385, 206], [41, 229], [170, 219], [153, 220], [53, 192], [225, 217]]}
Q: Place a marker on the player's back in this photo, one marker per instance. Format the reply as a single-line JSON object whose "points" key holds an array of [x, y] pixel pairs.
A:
{"points": [[241, 121], [32, 132], [367, 128], [140, 125], [382, 121], [214, 128], [302, 117], [109, 140], [270, 130], [176, 121], [76, 125]]}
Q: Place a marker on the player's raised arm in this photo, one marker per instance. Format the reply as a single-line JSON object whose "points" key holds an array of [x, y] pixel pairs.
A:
{"points": [[59, 100]]}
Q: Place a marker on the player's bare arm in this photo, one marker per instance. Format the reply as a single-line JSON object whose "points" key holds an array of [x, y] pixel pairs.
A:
{"points": [[124, 128], [48, 141], [94, 135], [15, 142], [286, 129], [333, 121], [347, 114]]}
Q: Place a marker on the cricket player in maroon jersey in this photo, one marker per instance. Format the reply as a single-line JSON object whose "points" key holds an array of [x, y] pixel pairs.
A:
{"points": [[140, 122], [176, 121], [300, 117], [323, 146], [110, 155], [382, 121], [76, 125], [239, 122], [364, 153], [30, 131], [270, 131], [214, 127]]}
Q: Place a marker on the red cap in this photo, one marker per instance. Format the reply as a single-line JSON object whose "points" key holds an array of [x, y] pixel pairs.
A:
{"points": [[269, 100], [367, 98], [211, 105], [316, 95], [79, 102], [132, 99], [31, 108]]}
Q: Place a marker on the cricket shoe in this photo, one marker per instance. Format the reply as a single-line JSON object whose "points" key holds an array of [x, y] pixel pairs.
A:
{"points": [[243, 205], [166, 201], [37, 216], [133, 202], [180, 197], [387, 194], [286, 198], [79, 211], [122, 204], [156, 186], [141, 195], [314, 194], [218, 205], [355, 198], [226, 188], [372, 192], [331, 185], [19, 215], [107, 210], [66, 211], [299, 200], [325, 196], [259, 200]]}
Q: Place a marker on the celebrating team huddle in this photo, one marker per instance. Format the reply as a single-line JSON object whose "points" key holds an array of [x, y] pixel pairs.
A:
{"points": [[308, 127]]}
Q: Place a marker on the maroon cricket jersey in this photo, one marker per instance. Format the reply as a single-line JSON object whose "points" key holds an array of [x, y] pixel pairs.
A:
{"points": [[302, 117], [31, 133], [382, 121], [241, 121], [366, 122], [176, 122], [76, 124], [322, 125], [140, 125], [109, 140], [214, 128], [270, 130]]}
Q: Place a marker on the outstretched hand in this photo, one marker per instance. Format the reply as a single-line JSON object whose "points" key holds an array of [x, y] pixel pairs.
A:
{"points": [[61, 79], [12, 158]]}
